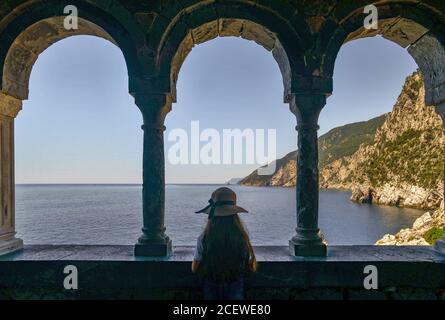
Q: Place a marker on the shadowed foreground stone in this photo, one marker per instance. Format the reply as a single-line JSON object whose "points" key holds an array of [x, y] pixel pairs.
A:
{"points": [[107, 272]]}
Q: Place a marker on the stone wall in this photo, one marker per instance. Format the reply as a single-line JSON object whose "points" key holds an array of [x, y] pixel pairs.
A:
{"points": [[112, 272]]}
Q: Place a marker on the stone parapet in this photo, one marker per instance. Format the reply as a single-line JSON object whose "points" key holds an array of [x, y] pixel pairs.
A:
{"points": [[114, 272]]}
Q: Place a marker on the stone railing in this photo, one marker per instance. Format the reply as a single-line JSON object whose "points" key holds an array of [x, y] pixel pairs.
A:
{"points": [[113, 272]]}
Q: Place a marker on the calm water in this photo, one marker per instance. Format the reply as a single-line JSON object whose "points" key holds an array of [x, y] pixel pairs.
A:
{"points": [[111, 214]]}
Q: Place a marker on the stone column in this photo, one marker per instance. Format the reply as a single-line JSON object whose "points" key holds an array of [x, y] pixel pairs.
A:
{"points": [[9, 107], [439, 246], [307, 241], [153, 241]]}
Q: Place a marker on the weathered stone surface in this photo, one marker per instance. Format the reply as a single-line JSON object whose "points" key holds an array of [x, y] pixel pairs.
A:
{"points": [[205, 32], [429, 54], [10, 245], [9, 106], [230, 27], [399, 30], [254, 32], [114, 272], [307, 241], [31, 42], [384, 25], [8, 242], [153, 241], [405, 32]]}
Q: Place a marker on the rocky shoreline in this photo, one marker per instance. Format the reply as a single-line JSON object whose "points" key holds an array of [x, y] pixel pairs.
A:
{"points": [[404, 195], [426, 230]]}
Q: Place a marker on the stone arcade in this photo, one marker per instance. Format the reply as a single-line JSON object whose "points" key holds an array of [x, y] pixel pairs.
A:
{"points": [[156, 36]]}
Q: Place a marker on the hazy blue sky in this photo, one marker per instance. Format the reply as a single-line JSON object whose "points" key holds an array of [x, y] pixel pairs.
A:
{"points": [[80, 125]]}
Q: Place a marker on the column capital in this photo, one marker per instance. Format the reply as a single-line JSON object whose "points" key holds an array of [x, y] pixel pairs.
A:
{"points": [[315, 83], [307, 107], [154, 109], [9, 105], [154, 84]]}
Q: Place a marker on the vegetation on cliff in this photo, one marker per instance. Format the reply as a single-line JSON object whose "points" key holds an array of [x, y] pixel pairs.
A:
{"points": [[345, 140], [335, 144], [433, 234]]}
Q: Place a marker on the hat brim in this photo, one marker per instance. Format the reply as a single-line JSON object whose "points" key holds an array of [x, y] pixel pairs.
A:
{"points": [[224, 211]]}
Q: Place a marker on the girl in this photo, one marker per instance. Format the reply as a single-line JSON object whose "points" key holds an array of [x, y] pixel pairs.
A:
{"points": [[224, 254]]}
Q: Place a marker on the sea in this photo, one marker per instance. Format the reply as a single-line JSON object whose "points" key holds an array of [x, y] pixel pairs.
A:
{"points": [[112, 214]]}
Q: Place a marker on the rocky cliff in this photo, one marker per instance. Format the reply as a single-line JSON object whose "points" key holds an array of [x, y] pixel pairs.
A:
{"points": [[337, 143], [396, 159], [284, 175], [404, 164]]}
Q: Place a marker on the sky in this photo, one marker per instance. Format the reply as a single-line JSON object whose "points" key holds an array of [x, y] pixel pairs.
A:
{"points": [[80, 125]]}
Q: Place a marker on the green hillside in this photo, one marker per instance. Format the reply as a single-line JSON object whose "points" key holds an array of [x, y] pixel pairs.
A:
{"points": [[345, 140], [335, 144]]}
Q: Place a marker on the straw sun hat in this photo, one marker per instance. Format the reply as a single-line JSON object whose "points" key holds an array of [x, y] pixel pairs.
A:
{"points": [[222, 204]]}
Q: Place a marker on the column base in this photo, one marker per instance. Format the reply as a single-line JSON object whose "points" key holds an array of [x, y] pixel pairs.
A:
{"points": [[308, 243], [10, 245], [439, 246], [307, 250], [153, 249]]}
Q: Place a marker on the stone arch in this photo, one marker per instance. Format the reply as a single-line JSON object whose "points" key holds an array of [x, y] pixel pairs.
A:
{"points": [[27, 31], [410, 26], [25, 37], [191, 28], [233, 27]]}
